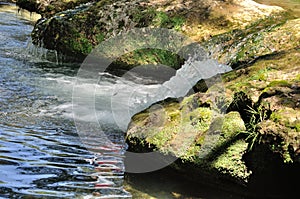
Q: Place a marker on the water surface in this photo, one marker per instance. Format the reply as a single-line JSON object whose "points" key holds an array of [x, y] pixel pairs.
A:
{"points": [[41, 154]]}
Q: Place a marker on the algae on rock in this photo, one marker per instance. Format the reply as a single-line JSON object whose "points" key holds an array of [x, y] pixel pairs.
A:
{"points": [[264, 89], [272, 35], [196, 134], [76, 31]]}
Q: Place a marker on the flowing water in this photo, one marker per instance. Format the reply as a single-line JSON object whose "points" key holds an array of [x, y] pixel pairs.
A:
{"points": [[41, 153]]}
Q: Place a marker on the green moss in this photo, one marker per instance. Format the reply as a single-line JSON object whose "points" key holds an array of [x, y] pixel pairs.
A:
{"points": [[86, 46], [160, 138], [174, 115], [214, 137], [276, 116], [231, 161], [293, 125], [242, 85], [243, 46], [297, 126], [80, 46], [199, 118], [250, 48], [232, 124], [270, 21], [297, 77], [100, 37], [50, 8], [178, 22], [190, 155], [230, 76], [279, 83], [161, 19], [186, 101], [261, 75], [287, 117], [151, 56], [200, 140]]}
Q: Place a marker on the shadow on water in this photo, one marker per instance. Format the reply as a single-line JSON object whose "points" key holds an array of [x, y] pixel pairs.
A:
{"points": [[168, 184]]}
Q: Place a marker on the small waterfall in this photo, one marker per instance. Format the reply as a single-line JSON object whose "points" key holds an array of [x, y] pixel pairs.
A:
{"points": [[140, 96], [38, 53]]}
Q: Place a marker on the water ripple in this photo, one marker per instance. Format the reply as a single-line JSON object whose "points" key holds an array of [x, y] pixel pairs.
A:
{"points": [[41, 155]]}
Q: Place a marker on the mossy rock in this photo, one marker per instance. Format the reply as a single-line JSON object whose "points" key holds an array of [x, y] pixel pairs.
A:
{"points": [[266, 76], [267, 90], [231, 162], [195, 133], [77, 30], [272, 35], [272, 82]]}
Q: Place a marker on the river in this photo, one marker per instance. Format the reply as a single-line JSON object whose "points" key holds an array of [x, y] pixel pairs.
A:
{"points": [[41, 154]]}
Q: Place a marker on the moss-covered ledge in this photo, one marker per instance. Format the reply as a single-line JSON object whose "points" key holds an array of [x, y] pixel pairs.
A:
{"points": [[261, 122], [76, 31], [197, 134], [268, 36]]}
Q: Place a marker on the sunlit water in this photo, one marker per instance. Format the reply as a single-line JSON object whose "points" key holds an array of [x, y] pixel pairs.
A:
{"points": [[41, 154]]}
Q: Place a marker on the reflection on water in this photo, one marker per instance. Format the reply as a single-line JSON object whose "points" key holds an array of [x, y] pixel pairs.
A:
{"points": [[41, 155], [167, 184]]}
